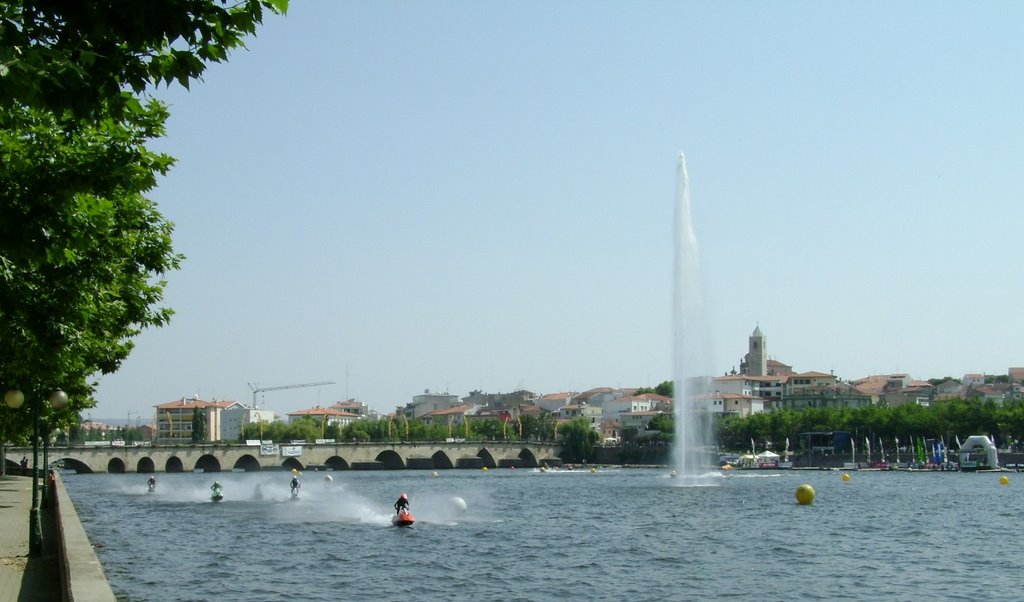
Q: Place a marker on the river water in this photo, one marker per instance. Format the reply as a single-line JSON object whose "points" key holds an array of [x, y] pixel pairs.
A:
{"points": [[617, 534]]}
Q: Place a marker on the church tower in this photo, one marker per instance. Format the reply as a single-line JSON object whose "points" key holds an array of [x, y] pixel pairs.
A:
{"points": [[756, 361]]}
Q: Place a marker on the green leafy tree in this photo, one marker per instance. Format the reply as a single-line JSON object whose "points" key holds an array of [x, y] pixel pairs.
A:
{"points": [[538, 428], [306, 429], [490, 429], [577, 439], [663, 422], [82, 250], [665, 389], [92, 57], [198, 426]]}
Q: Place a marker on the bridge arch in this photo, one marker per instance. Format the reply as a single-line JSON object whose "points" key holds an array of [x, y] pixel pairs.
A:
{"points": [[390, 459], [441, 460], [116, 466], [486, 457], [76, 465], [173, 464], [292, 464], [247, 463], [528, 457], [208, 463], [337, 463], [145, 465]]}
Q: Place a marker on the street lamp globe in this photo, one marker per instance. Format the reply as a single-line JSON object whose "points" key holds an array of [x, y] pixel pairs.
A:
{"points": [[58, 399], [14, 398]]}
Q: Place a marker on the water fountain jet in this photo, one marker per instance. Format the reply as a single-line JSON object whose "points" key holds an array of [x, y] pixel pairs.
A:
{"points": [[691, 457]]}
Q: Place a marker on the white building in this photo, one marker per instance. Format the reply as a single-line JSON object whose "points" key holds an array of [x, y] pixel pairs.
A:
{"points": [[614, 408]]}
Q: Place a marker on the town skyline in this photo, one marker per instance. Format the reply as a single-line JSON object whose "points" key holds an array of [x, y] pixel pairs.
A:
{"points": [[449, 196]]}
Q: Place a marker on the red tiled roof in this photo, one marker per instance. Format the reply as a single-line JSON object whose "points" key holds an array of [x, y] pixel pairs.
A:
{"points": [[323, 412], [462, 409], [194, 403]]}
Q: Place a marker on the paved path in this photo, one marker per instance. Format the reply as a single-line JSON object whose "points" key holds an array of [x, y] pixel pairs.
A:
{"points": [[25, 579]]}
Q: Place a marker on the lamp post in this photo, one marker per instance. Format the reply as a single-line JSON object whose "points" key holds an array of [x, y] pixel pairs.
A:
{"points": [[35, 541], [12, 399]]}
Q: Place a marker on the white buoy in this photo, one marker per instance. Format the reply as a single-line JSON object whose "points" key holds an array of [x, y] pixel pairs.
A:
{"points": [[459, 503]]}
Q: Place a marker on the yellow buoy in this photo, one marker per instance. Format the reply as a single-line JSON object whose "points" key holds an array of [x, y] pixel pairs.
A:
{"points": [[805, 494], [593, 470], [484, 469], [846, 476], [1004, 480]]}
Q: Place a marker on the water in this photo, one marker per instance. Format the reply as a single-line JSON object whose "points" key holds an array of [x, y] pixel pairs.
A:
{"points": [[693, 425], [614, 535]]}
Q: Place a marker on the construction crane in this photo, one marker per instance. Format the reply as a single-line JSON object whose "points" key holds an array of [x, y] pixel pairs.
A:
{"points": [[257, 389]]}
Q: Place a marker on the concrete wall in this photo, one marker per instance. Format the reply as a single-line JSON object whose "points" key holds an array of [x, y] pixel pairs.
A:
{"points": [[81, 574]]}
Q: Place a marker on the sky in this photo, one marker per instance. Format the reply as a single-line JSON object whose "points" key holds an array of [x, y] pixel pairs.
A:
{"points": [[455, 196]]}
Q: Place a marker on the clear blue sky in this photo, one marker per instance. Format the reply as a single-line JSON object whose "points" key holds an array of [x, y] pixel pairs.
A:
{"points": [[398, 196]]}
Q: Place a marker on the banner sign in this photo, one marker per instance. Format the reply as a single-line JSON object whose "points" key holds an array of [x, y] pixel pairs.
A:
{"points": [[291, 451], [268, 450]]}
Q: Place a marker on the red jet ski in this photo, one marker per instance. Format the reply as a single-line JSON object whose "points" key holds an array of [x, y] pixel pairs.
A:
{"points": [[403, 519]]}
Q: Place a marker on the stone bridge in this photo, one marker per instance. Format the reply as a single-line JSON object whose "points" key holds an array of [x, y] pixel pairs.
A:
{"points": [[336, 456]]}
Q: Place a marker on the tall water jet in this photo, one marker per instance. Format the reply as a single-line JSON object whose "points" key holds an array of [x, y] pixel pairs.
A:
{"points": [[690, 373]]}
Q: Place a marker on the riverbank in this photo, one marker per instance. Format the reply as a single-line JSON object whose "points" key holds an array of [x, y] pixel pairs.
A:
{"points": [[66, 570], [24, 577]]}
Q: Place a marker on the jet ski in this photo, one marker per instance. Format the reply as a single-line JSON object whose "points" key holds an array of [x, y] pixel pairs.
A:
{"points": [[403, 519], [218, 493]]}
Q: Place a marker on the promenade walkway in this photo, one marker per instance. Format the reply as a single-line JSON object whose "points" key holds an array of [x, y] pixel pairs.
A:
{"points": [[24, 578]]}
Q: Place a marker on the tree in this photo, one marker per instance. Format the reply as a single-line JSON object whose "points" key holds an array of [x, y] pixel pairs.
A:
{"points": [[82, 250], [198, 426], [92, 58], [662, 422], [665, 389], [577, 439]]}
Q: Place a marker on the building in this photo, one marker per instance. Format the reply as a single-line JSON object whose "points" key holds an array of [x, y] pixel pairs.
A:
{"points": [[174, 419], [553, 401], [499, 400], [427, 403], [598, 396], [636, 422], [755, 362], [358, 408], [328, 416], [814, 394], [740, 384], [235, 418], [614, 408], [734, 404], [453, 416]]}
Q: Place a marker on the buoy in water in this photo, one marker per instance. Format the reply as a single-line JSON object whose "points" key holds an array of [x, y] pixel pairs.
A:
{"points": [[804, 494], [1004, 480], [593, 469], [434, 474], [673, 474], [484, 469], [459, 503], [846, 476]]}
